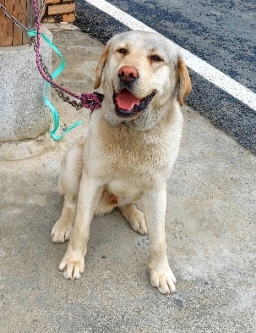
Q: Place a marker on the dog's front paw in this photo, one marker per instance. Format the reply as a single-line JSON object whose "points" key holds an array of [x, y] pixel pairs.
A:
{"points": [[72, 266], [163, 279], [61, 232]]}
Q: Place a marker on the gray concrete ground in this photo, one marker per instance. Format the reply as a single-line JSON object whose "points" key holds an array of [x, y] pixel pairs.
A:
{"points": [[210, 231]]}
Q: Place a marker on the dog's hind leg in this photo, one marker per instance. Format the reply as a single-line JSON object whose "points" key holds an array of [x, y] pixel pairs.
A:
{"points": [[68, 185], [135, 217]]}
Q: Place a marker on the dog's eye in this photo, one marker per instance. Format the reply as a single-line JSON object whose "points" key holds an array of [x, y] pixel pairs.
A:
{"points": [[155, 58], [122, 51]]}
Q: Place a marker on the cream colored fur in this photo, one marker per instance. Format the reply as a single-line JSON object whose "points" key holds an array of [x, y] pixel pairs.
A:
{"points": [[126, 161]]}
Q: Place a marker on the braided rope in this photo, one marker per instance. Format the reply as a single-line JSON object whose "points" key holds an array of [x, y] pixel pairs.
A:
{"points": [[88, 100]]}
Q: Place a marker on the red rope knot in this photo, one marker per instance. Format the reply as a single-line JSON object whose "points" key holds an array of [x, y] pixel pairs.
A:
{"points": [[92, 101]]}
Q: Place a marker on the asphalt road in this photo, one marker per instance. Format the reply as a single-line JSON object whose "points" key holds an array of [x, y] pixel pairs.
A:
{"points": [[221, 32]]}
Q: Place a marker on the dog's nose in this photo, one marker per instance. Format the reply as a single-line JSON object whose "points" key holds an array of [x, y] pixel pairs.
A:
{"points": [[128, 74]]}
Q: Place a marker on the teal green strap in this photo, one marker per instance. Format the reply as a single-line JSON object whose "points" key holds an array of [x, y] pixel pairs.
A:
{"points": [[58, 70], [56, 121], [31, 33], [62, 65]]}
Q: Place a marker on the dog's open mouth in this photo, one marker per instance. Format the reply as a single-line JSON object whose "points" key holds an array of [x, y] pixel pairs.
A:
{"points": [[127, 105]]}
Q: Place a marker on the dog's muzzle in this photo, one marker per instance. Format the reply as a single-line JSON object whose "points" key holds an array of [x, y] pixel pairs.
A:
{"points": [[127, 105]]}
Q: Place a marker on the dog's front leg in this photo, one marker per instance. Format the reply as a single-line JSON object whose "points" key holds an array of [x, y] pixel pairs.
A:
{"points": [[154, 208], [72, 263]]}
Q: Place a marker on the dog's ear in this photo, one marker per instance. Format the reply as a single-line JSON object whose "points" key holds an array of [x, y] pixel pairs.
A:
{"points": [[100, 66], [184, 80]]}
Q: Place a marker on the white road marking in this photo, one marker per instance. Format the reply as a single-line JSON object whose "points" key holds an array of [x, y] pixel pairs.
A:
{"points": [[198, 65]]}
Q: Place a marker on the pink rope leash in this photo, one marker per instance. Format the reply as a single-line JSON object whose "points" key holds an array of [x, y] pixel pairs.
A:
{"points": [[91, 101]]}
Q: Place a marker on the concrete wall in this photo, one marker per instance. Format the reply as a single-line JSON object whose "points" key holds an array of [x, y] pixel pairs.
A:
{"points": [[23, 115]]}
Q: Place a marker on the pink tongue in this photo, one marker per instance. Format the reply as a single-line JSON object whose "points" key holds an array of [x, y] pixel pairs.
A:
{"points": [[125, 100]]}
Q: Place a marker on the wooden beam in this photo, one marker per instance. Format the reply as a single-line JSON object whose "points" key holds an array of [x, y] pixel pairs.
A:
{"points": [[19, 12], [61, 9], [10, 33], [31, 14], [2, 25], [8, 25]]}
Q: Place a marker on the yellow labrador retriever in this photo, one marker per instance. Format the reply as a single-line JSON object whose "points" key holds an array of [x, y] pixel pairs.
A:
{"points": [[129, 152]]}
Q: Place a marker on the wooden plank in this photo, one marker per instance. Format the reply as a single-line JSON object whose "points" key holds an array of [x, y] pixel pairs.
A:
{"points": [[19, 14], [61, 9], [11, 34], [49, 19], [24, 21], [8, 23], [2, 26], [30, 15], [70, 18], [51, 2]]}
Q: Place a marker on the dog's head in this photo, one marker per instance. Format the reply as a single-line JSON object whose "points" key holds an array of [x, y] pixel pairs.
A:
{"points": [[141, 73]]}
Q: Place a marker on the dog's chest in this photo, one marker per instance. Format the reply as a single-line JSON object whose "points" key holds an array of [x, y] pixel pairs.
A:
{"points": [[133, 156]]}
